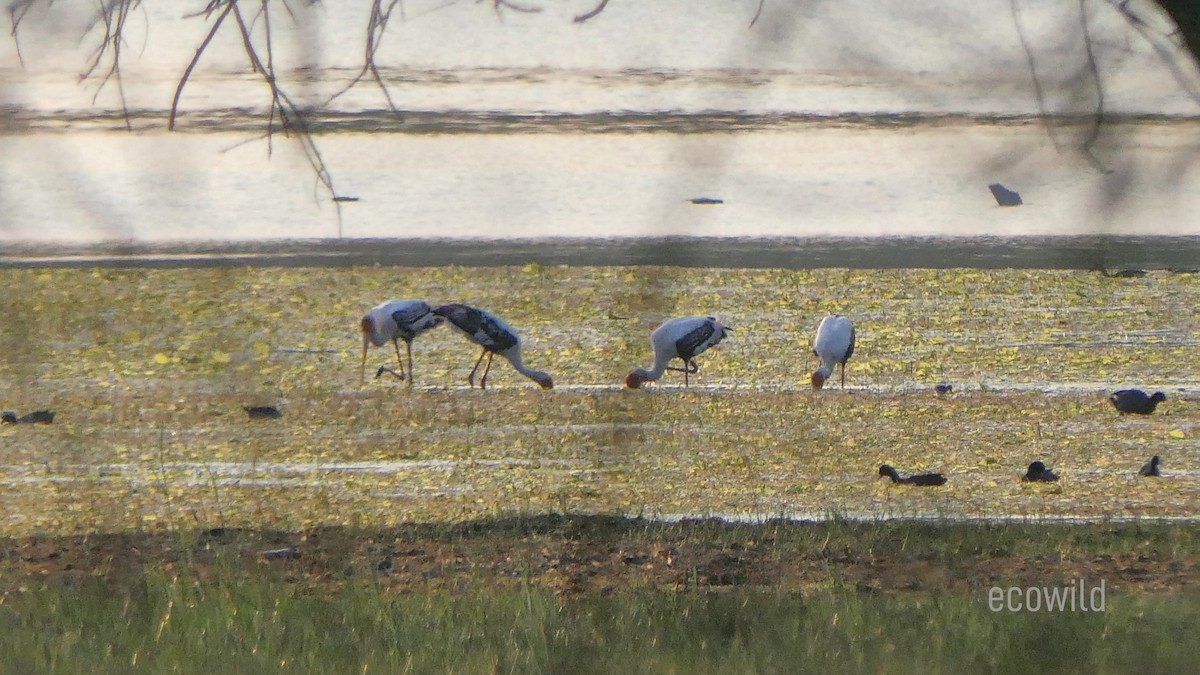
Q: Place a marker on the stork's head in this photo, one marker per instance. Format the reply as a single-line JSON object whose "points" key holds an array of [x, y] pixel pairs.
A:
{"points": [[543, 379], [818, 378], [636, 379], [887, 471], [1158, 397]]}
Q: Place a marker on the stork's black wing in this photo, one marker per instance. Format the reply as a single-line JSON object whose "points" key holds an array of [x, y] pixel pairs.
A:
{"points": [[699, 339], [850, 349], [479, 326], [499, 339], [411, 314]]}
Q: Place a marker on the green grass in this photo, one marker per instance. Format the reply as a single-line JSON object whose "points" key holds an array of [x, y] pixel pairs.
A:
{"points": [[172, 625], [703, 597]]}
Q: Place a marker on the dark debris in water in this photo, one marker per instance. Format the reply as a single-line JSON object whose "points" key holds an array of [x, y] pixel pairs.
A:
{"points": [[35, 417], [262, 412]]}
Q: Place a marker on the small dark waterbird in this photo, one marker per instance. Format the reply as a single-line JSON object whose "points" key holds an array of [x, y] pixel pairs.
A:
{"points": [[1150, 468], [1136, 401], [1037, 471], [495, 336], [396, 320], [683, 338], [1004, 196], [262, 412], [834, 345], [930, 479], [35, 417]]}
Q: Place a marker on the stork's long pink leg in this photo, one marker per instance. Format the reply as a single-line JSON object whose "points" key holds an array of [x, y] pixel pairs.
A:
{"points": [[408, 348], [486, 369], [471, 377], [399, 361]]}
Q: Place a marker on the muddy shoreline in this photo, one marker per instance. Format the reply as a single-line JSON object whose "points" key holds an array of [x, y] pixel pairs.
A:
{"points": [[1108, 252]]}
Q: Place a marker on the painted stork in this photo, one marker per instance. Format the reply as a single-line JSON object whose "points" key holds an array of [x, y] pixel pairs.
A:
{"points": [[1150, 468], [931, 479], [683, 338], [834, 345], [1136, 401], [396, 320], [1037, 471], [495, 336]]}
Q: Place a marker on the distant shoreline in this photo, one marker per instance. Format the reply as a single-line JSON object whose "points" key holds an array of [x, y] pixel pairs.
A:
{"points": [[1112, 252]]}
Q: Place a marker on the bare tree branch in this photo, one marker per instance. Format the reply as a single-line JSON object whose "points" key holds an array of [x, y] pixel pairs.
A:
{"points": [[596, 10], [16, 12], [1094, 69], [1031, 62], [508, 4], [376, 25], [1176, 38], [757, 13], [113, 16], [187, 72]]}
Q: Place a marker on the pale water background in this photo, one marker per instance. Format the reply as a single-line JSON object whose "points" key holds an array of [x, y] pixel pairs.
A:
{"points": [[823, 121]]}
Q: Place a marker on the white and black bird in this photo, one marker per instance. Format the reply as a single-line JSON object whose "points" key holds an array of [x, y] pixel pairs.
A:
{"points": [[495, 336], [683, 338], [834, 345], [396, 320]]}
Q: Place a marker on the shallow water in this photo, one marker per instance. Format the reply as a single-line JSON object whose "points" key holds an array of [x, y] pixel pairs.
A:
{"points": [[839, 120]]}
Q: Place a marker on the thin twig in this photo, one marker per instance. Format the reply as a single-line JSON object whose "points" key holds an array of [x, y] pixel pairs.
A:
{"points": [[16, 13], [508, 4], [187, 72], [113, 15], [1094, 67], [290, 116], [757, 13], [1031, 62], [1171, 61], [376, 25], [596, 10]]}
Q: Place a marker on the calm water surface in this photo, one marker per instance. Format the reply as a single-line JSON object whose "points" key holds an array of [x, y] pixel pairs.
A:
{"points": [[825, 123]]}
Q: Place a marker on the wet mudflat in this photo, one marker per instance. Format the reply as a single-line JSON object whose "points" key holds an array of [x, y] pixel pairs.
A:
{"points": [[149, 369]]}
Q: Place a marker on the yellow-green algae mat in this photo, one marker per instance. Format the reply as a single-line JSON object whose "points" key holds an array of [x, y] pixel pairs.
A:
{"points": [[148, 369]]}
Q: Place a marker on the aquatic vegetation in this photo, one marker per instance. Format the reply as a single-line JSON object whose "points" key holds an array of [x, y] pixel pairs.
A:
{"points": [[148, 371]]}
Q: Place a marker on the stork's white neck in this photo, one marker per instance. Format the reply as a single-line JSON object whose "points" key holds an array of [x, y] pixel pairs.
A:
{"points": [[661, 361], [514, 357]]}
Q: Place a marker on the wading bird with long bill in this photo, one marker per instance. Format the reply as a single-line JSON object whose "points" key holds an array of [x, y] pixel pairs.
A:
{"points": [[396, 320], [683, 338], [495, 336], [834, 345]]}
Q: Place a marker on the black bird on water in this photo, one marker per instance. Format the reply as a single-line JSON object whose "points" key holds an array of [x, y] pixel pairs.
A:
{"points": [[1150, 468], [916, 479], [1136, 401], [1038, 472], [262, 412], [35, 417]]}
